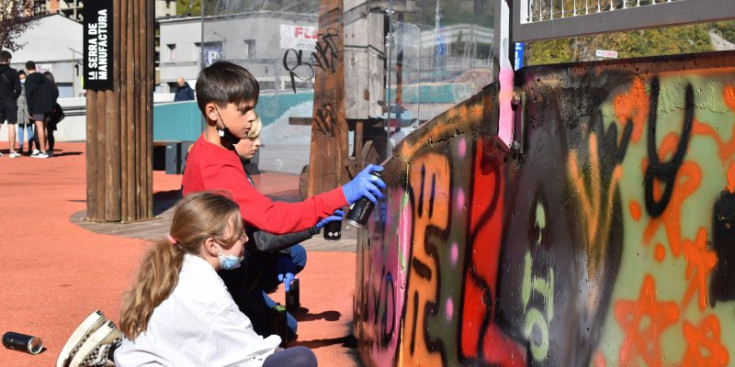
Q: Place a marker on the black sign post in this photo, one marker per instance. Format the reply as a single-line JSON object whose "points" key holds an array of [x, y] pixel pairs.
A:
{"points": [[98, 45]]}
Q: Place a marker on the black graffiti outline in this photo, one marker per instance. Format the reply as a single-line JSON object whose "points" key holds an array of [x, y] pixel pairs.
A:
{"points": [[424, 271], [325, 119], [299, 63], [665, 171], [380, 300], [327, 53]]}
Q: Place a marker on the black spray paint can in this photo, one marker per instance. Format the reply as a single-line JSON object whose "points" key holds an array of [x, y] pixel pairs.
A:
{"points": [[279, 324], [333, 230], [292, 296], [360, 210], [22, 342]]}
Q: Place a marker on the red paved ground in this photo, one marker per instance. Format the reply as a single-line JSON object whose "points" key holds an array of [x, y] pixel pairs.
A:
{"points": [[53, 273]]}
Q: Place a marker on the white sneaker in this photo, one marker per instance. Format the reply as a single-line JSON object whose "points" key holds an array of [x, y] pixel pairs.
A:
{"points": [[37, 154], [79, 336], [14, 154], [95, 351]]}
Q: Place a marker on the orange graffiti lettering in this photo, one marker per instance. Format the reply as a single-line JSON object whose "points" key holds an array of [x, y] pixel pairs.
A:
{"points": [[596, 217], [728, 94], [633, 106], [635, 210], [706, 337], [726, 149], [698, 256], [430, 184], [643, 321], [660, 252]]}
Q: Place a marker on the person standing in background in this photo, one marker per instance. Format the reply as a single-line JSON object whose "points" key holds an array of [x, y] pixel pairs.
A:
{"points": [[53, 118], [10, 89], [25, 125], [40, 98], [183, 91]]}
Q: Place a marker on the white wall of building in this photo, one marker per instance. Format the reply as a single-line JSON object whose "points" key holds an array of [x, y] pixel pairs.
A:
{"points": [[179, 50]]}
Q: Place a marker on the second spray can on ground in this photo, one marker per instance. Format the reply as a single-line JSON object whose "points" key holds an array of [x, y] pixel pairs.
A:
{"points": [[360, 210]]}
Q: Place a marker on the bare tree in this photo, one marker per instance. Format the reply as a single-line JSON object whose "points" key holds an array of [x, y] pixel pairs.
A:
{"points": [[15, 17]]}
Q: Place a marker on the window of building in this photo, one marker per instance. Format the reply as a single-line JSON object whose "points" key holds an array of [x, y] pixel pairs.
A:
{"points": [[250, 50], [171, 51]]}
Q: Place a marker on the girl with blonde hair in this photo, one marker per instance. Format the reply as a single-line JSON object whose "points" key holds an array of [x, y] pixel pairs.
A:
{"points": [[179, 312]]}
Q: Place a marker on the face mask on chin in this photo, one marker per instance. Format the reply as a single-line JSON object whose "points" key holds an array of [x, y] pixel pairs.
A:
{"points": [[229, 262], [225, 133]]}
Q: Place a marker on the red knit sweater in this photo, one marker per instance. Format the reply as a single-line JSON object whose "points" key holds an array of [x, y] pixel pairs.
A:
{"points": [[210, 167]]}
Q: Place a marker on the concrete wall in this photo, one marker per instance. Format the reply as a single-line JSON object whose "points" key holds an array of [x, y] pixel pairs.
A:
{"points": [[608, 242]]}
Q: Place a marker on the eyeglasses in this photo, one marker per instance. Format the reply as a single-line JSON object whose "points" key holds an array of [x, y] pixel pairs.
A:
{"points": [[243, 237]]}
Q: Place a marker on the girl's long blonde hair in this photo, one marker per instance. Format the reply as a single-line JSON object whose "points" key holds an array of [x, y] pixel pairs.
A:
{"points": [[196, 218], [255, 128]]}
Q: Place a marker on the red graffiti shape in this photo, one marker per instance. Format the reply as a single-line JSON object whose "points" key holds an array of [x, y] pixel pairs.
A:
{"points": [[643, 321], [705, 337], [700, 258]]}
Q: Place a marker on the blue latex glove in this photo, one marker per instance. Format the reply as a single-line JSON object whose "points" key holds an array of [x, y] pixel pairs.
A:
{"points": [[338, 215], [365, 185], [286, 270]]}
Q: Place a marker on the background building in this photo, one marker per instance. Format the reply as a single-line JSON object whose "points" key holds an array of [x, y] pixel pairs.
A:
{"points": [[249, 39], [74, 9]]}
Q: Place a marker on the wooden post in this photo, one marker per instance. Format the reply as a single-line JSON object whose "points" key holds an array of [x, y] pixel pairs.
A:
{"points": [[329, 155], [119, 122]]}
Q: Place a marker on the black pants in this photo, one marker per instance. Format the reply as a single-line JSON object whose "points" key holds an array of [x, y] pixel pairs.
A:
{"points": [[293, 357], [248, 283], [50, 136]]}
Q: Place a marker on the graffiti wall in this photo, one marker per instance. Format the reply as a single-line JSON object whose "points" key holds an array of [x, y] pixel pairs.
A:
{"points": [[609, 241]]}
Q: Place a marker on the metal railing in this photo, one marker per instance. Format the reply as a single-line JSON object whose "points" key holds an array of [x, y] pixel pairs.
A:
{"points": [[546, 19]]}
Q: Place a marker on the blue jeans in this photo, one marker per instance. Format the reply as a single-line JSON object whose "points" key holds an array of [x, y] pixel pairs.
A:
{"points": [[22, 130]]}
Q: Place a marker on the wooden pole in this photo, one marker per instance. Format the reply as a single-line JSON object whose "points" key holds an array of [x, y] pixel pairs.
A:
{"points": [[92, 190], [329, 155], [119, 122]]}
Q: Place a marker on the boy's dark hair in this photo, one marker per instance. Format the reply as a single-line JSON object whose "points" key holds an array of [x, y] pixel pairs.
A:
{"points": [[224, 82], [5, 56], [30, 65], [21, 72]]}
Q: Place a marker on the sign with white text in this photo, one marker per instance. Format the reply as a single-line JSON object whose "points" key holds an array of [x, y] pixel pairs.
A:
{"points": [[98, 47]]}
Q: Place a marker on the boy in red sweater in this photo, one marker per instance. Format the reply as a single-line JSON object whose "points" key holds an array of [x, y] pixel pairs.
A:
{"points": [[226, 95]]}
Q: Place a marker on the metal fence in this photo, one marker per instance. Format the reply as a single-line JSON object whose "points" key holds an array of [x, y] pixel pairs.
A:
{"points": [[546, 19]]}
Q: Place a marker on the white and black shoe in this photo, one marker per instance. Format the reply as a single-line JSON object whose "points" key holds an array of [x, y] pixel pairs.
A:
{"points": [[79, 336], [98, 349]]}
